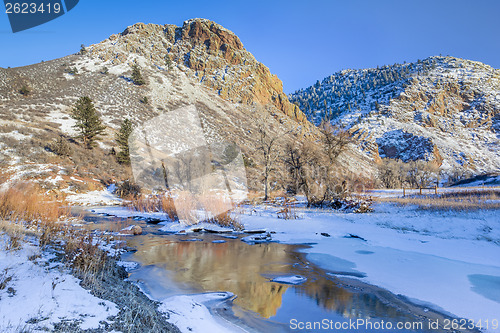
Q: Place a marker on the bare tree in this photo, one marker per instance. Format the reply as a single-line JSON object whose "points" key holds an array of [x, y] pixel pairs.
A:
{"points": [[393, 173], [421, 173], [267, 145], [294, 165], [335, 140]]}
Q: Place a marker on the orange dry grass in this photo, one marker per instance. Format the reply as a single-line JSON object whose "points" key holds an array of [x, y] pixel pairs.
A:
{"points": [[186, 205], [218, 211], [30, 209], [459, 200], [154, 203], [25, 209]]}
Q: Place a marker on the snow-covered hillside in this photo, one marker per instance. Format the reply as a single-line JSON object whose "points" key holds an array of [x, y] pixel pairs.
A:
{"points": [[442, 108]]}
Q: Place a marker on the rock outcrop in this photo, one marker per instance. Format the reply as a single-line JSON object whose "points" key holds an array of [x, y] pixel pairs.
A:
{"points": [[440, 109], [215, 56]]}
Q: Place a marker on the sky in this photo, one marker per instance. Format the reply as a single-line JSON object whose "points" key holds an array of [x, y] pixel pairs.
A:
{"points": [[300, 41]]}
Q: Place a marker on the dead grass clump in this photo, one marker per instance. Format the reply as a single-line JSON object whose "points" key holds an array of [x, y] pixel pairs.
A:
{"points": [[153, 203], [185, 204], [287, 211], [26, 202], [458, 200], [5, 278], [25, 209], [219, 211], [15, 234], [85, 257]]}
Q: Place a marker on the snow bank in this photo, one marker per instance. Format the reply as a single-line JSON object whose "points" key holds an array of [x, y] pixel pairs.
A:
{"points": [[41, 294], [190, 313], [94, 198], [449, 261]]}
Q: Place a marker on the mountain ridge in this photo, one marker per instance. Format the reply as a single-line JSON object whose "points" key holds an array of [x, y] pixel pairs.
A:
{"points": [[450, 105], [31, 123]]}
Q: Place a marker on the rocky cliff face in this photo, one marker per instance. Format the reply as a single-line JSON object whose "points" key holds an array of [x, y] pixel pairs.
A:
{"points": [[441, 109], [214, 55], [200, 64]]}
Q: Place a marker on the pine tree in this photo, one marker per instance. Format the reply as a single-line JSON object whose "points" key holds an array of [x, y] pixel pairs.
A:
{"points": [[137, 76], [88, 123], [83, 50], [168, 61], [121, 139]]}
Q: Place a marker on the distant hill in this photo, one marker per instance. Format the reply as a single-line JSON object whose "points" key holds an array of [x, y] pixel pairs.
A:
{"points": [[440, 109]]}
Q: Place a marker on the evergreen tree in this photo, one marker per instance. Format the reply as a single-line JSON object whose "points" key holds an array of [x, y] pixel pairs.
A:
{"points": [[88, 123], [168, 61], [83, 50], [121, 139], [137, 76]]}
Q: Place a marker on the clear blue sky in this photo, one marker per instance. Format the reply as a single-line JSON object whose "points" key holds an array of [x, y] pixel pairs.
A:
{"points": [[300, 41]]}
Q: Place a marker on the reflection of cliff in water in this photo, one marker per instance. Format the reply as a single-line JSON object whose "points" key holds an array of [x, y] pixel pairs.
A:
{"points": [[232, 266], [239, 268], [349, 304]]}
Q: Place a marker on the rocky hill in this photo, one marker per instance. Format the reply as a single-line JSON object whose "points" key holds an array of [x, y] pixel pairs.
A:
{"points": [[215, 56], [200, 63], [440, 109]]}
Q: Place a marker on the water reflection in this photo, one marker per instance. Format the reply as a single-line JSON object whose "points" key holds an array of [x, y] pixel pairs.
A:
{"points": [[246, 270]]}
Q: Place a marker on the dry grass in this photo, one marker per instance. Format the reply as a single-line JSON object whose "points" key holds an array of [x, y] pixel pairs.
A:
{"points": [[5, 278], [85, 257], [153, 203], [26, 202], [25, 209], [184, 207], [287, 211], [459, 200], [219, 211]]}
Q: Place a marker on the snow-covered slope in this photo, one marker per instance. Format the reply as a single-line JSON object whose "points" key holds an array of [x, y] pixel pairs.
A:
{"points": [[442, 108], [200, 63]]}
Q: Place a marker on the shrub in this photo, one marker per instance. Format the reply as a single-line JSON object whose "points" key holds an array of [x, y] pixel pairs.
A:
{"points": [[25, 90], [83, 50], [60, 147], [73, 71], [128, 189], [287, 211], [137, 76]]}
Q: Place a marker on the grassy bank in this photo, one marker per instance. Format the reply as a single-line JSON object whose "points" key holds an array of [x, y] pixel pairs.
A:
{"points": [[28, 216], [466, 200]]}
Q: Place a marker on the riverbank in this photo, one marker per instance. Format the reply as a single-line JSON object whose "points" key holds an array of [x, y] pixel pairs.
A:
{"points": [[39, 292], [430, 261]]}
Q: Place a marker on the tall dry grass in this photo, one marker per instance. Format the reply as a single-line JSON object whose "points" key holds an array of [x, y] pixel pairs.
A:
{"points": [[219, 210], [186, 206], [26, 209], [457, 200], [152, 204]]}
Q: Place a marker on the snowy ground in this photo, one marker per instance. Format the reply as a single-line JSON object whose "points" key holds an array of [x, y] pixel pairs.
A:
{"points": [[445, 260], [40, 293], [449, 261], [94, 198]]}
